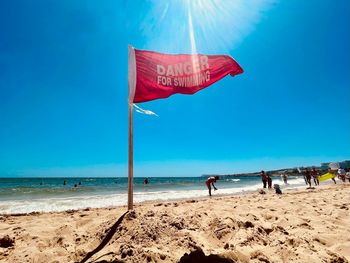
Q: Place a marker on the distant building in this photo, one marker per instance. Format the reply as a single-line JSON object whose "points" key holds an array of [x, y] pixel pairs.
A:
{"points": [[345, 164], [324, 166]]}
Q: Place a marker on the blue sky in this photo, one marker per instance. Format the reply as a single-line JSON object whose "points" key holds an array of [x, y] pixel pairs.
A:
{"points": [[63, 87]]}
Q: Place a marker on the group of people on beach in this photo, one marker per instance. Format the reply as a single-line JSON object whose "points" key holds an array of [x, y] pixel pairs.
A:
{"points": [[266, 179], [344, 174], [309, 176], [312, 174]]}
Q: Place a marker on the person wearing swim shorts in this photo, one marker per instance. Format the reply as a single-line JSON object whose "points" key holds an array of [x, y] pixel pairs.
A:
{"points": [[210, 182]]}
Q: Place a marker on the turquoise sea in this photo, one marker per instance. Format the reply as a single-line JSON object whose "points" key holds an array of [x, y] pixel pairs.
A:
{"points": [[24, 195]]}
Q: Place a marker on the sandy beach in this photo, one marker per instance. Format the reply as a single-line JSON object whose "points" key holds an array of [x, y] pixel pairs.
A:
{"points": [[298, 226]]}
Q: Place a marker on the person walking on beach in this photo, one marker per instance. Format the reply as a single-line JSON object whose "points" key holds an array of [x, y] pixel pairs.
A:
{"points": [[269, 181], [314, 175], [263, 178], [302, 172], [331, 172], [307, 175], [347, 175], [341, 174], [210, 181]]}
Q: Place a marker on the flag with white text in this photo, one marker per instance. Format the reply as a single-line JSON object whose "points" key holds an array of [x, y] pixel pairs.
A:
{"points": [[155, 75]]}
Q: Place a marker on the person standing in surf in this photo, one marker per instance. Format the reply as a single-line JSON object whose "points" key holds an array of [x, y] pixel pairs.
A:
{"points": [[210, 181], [284, 177], [263, 178], [269, 181]]}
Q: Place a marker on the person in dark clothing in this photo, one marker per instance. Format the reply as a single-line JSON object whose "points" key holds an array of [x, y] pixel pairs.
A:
{"points": [[314, 175], [269, 181], [307, 175], [277, 189], [263, 178]]}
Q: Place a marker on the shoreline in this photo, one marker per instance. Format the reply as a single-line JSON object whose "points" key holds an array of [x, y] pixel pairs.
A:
{"points": [[288, 188], [180, 199], [248, 227], [85, 199]]}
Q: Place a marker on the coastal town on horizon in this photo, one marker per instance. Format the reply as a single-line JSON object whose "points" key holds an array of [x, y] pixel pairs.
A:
{"points": [[323, 167]]}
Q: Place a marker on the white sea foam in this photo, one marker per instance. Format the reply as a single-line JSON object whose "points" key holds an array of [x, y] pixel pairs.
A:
{"points": [[107, 200], [234, 180], [62, 204]]}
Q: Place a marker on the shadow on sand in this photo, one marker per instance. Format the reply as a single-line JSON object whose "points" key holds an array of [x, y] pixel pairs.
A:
{"points": [[106, 239], [199, 256]]}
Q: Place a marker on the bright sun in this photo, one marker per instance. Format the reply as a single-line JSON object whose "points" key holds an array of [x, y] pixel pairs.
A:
{"points": [[201, 25]]}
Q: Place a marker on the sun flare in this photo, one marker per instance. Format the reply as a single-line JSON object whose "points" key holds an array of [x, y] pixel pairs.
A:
{"points": [[193, 26]]}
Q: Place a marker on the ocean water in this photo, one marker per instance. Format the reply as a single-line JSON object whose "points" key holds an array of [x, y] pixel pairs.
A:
{"points": [[24, 195]]}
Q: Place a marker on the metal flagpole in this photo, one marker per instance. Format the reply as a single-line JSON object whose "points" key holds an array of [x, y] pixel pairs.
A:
{"points": [[131, 87], [131, 159]]}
